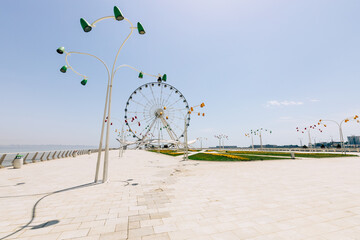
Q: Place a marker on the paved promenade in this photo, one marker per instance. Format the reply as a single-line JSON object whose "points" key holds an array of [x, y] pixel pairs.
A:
{"points": [[153, 196]]}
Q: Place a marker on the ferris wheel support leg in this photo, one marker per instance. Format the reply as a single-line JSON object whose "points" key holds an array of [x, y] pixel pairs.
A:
{"points": [[151, 125], [170, 132]]}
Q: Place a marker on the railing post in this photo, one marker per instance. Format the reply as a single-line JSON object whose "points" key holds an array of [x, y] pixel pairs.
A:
{"points": [[62, 155], [41, 158], [33, 160], [53, 156], [24, 161], [58, 156], [67, 154], [1, 160], [47, 158]]}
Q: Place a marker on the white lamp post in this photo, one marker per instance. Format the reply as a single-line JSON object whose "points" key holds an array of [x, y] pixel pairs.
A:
{"points": [[107, 110], [339, 124]]}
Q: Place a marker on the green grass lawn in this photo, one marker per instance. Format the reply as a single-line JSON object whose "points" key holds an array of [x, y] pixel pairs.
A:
{"points": [[173, 153], [287, 154], [210, 157]]}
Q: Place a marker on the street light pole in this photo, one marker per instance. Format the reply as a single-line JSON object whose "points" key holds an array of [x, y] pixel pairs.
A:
{"points": [[106, 160], [106, 101], [186, 153], [310, 145], [87, 28], [343, 150], [252, 141]]}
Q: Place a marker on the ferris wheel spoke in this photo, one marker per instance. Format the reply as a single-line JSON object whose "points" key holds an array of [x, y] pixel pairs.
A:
{"points": [[135, 112], [172, 123], [161, 92], [174, 102], [177, 117], [148, 101], [153, 130], [137, 102], [151, 102], [156, 128], [167, 100], [152, 92], [176, 109], [145, 120], [149, 121]]}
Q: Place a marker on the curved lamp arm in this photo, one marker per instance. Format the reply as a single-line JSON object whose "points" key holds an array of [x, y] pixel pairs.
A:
{"points": [[326, 120], [137, 70], [88, 54], [100, 19], [122, 45]]}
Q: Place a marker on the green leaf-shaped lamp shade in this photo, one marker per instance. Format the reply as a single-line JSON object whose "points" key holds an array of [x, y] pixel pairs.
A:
{"points": [[164, 77], [83, 82], [60, 50], [140, 28], [63, 69], [141, 75], [85, 25], [118, 14]]}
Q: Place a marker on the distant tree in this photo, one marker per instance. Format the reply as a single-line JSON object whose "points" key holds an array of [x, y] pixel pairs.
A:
{"points": [[338, 146], [322, 146], [305, 146]]}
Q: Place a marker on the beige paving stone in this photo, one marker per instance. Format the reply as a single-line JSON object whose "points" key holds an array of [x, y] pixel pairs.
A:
{"points": [[244, 233], [158, 236], [140, 232], [91, 224], [93, 237], [134, 224], [151, 223], [36, 232], [41, 237], [65, 227], [101, 230], [287, 199], [74, 234], [224, 235], [114, 235], [165, 228], [180, 235]]}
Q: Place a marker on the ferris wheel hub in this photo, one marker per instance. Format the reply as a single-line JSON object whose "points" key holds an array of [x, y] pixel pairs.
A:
{"points": [[159, 112]]}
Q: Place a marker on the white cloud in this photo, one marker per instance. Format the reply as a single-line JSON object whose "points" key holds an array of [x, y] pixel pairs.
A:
{"points": [[283, 103]]}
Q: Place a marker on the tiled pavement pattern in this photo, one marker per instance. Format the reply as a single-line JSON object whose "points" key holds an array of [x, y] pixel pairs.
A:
{"points": [[170, 199]]}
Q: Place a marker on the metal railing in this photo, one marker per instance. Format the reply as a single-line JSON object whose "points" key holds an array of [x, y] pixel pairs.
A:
{"points": [[6, 159]]}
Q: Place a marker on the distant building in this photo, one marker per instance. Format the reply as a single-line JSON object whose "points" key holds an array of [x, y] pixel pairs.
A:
{"points": [[224, 147], [354, 140]]}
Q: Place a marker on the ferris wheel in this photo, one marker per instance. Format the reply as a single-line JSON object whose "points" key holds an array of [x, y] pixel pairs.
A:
{"points": [[157, 110]]}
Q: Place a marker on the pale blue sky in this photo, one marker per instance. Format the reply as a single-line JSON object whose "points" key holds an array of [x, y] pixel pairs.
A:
{"points": [[255, 63]]}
